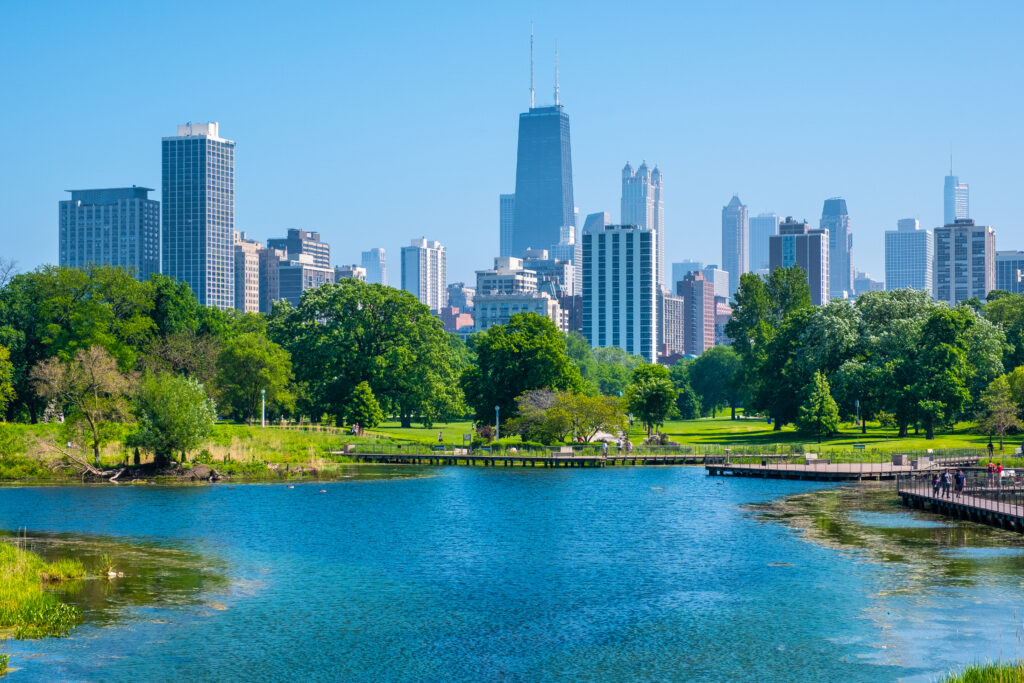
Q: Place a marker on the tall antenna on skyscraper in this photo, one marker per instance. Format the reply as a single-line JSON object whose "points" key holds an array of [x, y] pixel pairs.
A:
{"points": [[556, 73], [531, 65]]}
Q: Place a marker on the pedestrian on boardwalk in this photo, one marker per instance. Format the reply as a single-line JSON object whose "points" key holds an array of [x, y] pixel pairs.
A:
{"points": [[604, 448], [440, 437], [947, 482], [999, 471], [936, 484], [961, 479], [618, 446], [991, 474], [629, 446], [990, 447]]}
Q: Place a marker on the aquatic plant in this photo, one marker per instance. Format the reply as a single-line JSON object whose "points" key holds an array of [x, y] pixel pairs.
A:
{"points": [[24, 605], [990, 672]]}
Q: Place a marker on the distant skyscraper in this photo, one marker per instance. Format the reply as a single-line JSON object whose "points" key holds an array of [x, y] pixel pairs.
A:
{"points": [[908, 256], [296, 275], [543, 200], [270, 277], [955, 199], [620, 294], [965, 261], [863, 283], [349, 272], [303, 242], [247, 273], [836, 220], [506, 223], [199, 212], [698, 313], [719, 280], [376, 266], [681, 269], [642, 205], [1010, 271], [673, 325], [425, 272], [762, 227], [799, 245], [734, 241], [117, 227], [461, 297]]}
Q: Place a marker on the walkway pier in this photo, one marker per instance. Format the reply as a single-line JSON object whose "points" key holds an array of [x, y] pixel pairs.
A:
{"points": [[998, 502], [507, 459], [829, 471]]}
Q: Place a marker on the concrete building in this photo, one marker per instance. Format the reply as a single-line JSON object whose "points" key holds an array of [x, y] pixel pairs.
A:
{"points": [[555, 276], [673, 325], [456, 321], [681, 269], [461, 297], [723, 314], [297, 275], [797, 244], [698, 313], [300, 242], [507, 277], [425, 272], [376, 266], [965, 261], [497, 308], [642, 205], [349, 272], [620, 293], [956, 203], [836, 219], [247, 273], [198, 194], [735, 232], [570, 250], [909, 253], [1009, 271], [719, 280], [762, 227], [863, 283], [115, 227], [270, 281]]}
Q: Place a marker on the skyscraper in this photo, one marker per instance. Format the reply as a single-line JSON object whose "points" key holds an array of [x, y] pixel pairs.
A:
{"points": [[1010, 271], [425, 272], [698, 313], [799, 245], [965, 261], [543, 200], [955, 199], [762, 227], [303, 242], [719, 280], [247, 273], [376, 266], [620, 294], [681, 269], [199, 212], [734, 241], [642, 205], [908, 256], [506, 223], [270, 277], [117, 227], [836, 220], [297, 274]]}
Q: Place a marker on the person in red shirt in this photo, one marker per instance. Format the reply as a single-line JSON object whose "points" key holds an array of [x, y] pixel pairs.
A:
{"points": [[991, 473], [999, 471]]}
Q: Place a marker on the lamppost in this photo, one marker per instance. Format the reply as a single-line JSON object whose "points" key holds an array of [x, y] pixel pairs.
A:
{"points": [[497, 423], [263, 407]]}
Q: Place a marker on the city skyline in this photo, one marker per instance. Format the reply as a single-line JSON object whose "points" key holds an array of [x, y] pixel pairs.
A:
{"points": [[774, 161]]}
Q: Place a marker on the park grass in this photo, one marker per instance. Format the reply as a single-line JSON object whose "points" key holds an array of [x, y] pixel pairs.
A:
{"points": [[1000, 672], [26, 609], [452, 432]]}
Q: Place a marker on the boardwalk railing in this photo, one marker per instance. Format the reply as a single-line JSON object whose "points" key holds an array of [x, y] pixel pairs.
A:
{"points": [[999, 493]]}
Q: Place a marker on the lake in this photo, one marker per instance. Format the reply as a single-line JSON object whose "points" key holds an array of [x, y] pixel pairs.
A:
{"points": [[490, 574]]}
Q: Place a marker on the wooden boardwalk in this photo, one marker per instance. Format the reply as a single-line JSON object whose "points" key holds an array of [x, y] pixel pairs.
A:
{"points": [[525, 460], [993, 506], [824, 471]]}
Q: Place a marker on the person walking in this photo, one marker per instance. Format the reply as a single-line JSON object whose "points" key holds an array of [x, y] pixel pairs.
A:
{"points": [[991, 473], [936, 484], [604, 448], [961, 479], [629, 447], [947, 482], [990, 447], [999, 472], [618, 447]]}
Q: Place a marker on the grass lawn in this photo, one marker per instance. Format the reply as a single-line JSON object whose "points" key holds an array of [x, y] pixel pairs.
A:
{"points": [[452, 432]]}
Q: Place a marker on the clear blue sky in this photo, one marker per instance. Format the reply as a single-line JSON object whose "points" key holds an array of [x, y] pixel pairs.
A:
{"points": [[375, 123]]}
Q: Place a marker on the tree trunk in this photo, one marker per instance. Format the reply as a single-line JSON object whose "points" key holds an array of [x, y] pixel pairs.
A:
{"points": [[902, 434], [863, 426], [929, 431], [776, 425], [406, 421], [733, 412]]}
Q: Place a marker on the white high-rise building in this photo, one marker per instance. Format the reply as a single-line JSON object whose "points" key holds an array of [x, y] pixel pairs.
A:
{"points": [[620, 292], [642, 205], [719, 280], [425, 272], [734, 241], [376, 266], [762, 227], [908, 256], [965, 261], [955, 199]]}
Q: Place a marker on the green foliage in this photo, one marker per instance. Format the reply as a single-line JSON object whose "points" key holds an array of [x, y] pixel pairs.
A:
{"points": [[651, 396], [249, 365], [174, 415], [1001, 672], [528, 353], [998, 409], [819, 415], [363, 408], [351, 332], [6, 380], [550, 417], [714, 376], [24, 606]]}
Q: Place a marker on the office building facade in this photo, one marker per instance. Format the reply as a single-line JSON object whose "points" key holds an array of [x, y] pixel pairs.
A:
{"points": [[247, 273], [297, 275], [116, 227], [461, 297], [270, 261], [965, 261], [299, 242], [673, 325], [797, 244], [506, 224], [698, 313], [719, 280], [735, 229], [349, 272], [425, 272], [198, 183], [762, 227], [909, 252], [376, 266], [498, 308], [836, 219], [1010, 271], [620, 293], [642, 205]]}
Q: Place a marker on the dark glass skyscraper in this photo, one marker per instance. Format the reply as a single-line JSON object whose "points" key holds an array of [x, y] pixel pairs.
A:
{"points": [[543, 197], [199, 212], [836, 220]]}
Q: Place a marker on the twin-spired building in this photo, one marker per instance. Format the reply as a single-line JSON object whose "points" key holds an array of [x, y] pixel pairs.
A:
{"points": [[642, 205]]}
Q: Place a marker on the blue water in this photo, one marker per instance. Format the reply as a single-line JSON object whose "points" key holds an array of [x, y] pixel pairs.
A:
{"points": [[506, 575]]}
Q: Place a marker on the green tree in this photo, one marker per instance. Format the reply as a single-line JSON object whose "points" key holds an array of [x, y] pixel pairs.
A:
{"points": [[351, 332], [6, 380], [588, 415], [174, 414], [539, 418], [249, 365], [788, 291], [613, 368], [941, 369], [999, 412], [651, 396], [819, 414], [90, 387], [527, 353], [714, 376], [363, 408]]}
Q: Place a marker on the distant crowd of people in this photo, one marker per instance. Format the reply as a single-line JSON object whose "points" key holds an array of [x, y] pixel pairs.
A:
{"points": [[948, 484]]}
